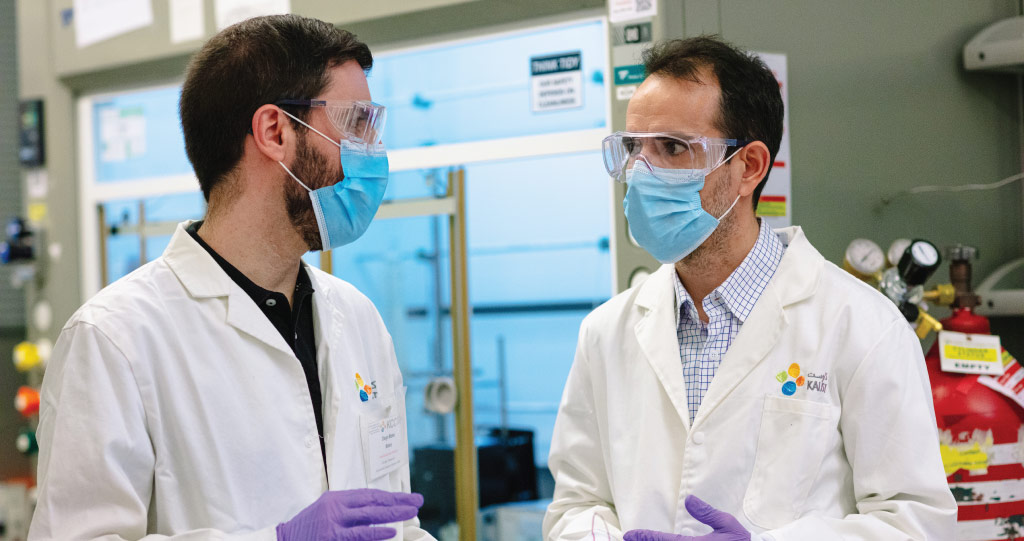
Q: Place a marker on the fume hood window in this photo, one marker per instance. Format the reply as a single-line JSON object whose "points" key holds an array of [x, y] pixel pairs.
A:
{"points": [[137, 231], [481, 89], [538, 263]]}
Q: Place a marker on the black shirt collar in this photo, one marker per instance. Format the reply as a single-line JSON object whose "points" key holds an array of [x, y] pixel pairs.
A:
{"points": [[303, 285]]}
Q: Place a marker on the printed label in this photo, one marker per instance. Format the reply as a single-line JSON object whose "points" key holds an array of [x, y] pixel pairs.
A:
{"points": [[970, 353]]}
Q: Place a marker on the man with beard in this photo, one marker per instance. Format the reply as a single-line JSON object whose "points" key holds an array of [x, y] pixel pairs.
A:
{"points": [[227, 390], [748, 389]]}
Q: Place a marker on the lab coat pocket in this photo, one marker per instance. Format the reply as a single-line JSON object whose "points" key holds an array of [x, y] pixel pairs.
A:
{"points": [[791, 446]]}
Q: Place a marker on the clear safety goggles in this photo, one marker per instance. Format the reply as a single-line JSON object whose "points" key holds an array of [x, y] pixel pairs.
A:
{"points": [[664, 150], [358, 121]]}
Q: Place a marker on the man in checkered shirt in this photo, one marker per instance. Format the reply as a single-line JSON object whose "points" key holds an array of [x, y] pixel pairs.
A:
{"points": [[748, 389]]}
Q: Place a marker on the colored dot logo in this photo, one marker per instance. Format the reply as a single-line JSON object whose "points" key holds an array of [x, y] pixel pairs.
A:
{"points": [[790, 379], [364, 390]]}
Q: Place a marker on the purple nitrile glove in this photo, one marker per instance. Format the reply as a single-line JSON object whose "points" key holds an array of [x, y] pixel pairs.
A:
{"points": [[726, 527], [348, 515]]}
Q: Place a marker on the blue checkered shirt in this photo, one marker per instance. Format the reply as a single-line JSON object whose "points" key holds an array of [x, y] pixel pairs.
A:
{"points": [[702, 345]]}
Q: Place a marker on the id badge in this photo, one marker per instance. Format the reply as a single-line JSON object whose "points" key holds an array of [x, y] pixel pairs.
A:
{"points": [[385, 446]]}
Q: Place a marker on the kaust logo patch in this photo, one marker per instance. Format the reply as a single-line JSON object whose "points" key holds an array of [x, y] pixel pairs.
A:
{"points": [[792, 379], [366, 390]]}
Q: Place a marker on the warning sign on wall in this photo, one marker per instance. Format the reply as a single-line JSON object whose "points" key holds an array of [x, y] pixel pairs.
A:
{"points": [[557, 82]]}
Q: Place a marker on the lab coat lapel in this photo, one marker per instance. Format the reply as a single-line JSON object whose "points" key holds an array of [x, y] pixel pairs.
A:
{"points": [[656, 335], [203, 278], [796, 279], [244, 315], [756, 338]]}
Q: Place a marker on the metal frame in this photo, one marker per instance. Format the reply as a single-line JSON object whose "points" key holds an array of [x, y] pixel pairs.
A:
{"points": [[467, 499]]}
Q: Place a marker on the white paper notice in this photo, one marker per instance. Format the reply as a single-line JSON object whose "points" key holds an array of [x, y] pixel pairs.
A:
{"points": [[557, 82], [188, 20], [627, 10], [230, 12], [122, 134], [776, 204], [97, 20], [38, 183]]}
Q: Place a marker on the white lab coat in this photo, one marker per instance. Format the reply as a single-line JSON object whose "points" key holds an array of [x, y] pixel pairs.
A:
{"points": [[856, 457], [173, 407]]}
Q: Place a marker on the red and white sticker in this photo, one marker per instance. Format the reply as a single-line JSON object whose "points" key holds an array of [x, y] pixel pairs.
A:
{"points": [[1010, 383]]}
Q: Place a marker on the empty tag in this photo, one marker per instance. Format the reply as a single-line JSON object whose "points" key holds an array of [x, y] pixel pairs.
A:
{"points": [[970, 353]]}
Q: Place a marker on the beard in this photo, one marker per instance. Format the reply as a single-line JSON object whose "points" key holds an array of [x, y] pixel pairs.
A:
{"points": [[716, 204], [315, 171]]}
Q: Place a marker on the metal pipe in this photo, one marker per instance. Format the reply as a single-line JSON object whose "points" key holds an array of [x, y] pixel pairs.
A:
{"points": [[1020, 129], [101, 212], [326, 263], [142, 232], [467, 500], [441, 421], [503, 387]]}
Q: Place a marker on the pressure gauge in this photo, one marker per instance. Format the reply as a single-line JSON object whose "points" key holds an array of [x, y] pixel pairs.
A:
{"points": [[896, 250], [919, 262], [864, 259]]}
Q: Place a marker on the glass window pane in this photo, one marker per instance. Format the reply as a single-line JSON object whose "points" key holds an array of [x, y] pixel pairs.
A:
{"points": [[481, 89], [538, 263], [162, 214], [123, 249], [401, 264], [138, 135]]}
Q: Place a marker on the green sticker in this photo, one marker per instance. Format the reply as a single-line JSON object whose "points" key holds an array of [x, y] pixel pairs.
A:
{"points": [[629, 75]]}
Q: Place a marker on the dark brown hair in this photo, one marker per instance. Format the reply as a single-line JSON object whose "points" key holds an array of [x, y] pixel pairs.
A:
{"points": [[255, 62], [751, 102]]}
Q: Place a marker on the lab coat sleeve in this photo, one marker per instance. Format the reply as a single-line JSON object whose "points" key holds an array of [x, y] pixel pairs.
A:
{"points": [[891, 442], [582, 505], [96, 461]]}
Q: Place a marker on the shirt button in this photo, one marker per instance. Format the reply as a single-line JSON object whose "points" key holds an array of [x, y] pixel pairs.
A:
{"points": [[309, 441], [271, 303], [698, 438]]}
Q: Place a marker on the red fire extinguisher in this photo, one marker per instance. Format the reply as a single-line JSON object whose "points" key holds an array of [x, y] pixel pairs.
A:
{"points": [[981, 431]]}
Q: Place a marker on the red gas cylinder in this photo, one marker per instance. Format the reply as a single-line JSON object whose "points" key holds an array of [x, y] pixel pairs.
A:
{"points": [[982, 445]]}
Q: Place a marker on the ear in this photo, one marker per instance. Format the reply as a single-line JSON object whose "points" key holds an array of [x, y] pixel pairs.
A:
{"points": [[272, 132], [755, 161]]}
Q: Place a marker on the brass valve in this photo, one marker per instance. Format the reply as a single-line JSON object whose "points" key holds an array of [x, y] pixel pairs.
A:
{"points": [[943, 294]]}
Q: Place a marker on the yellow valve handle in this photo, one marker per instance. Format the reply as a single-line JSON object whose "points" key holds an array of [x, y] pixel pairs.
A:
{"points": [[943, 294], [26, 356], [926, 324]]}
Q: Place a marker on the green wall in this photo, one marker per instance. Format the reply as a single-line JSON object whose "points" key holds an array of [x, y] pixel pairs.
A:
{"points": [[879, 103], [12, 312]]}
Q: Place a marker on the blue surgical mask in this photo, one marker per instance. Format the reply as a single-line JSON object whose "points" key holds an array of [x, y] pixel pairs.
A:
{"points": [[344, 210], [664, 210]]}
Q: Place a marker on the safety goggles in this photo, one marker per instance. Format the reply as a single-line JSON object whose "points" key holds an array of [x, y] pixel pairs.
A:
{"points": [[664, 150], [361, 121]]}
